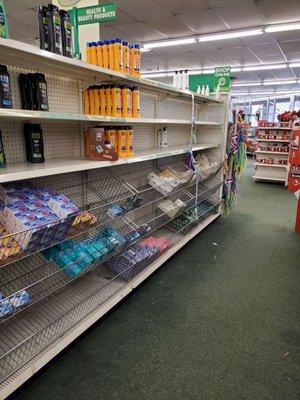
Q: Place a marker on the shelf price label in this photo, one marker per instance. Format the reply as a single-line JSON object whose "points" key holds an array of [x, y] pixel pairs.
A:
{"points": [[96, 14]]}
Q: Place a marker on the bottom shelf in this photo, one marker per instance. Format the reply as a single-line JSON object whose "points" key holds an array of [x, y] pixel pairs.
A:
{"points": [[268, 178], [72, 311]]}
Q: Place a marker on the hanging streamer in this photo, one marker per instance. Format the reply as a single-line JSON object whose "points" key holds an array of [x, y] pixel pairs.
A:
{"points": [[236, 159]]}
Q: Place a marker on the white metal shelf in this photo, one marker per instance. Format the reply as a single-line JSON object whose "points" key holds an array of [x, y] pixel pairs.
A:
{"points": [[274, 140], [271, 165], [55, 116], [268, 178], [56, 167], [283, 128], [121, 290], [44, 61], [279, 153]]}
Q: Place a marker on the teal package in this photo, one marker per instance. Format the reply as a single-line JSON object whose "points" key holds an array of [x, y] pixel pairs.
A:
{"points": [[3, 21]]}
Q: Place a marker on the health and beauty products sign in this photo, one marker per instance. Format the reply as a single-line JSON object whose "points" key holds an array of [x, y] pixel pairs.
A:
{"points": [[222, 78], [96, 14]]}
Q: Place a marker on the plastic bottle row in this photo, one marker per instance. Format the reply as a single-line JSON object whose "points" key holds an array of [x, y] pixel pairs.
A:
{"points": [[115, 54], [112, 100]]}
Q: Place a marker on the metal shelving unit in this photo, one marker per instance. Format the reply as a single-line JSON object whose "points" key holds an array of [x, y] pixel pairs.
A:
{"points": [[273, 172], [62, 306]]}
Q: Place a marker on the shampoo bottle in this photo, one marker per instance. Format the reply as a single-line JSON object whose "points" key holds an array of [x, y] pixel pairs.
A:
{"points": [[43, 28], [66, 33], [34, 143], [5, 92], [54, 23], [2, 154]]}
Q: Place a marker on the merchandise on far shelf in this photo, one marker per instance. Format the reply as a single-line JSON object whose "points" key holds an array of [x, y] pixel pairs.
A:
{"points": [[10, 303], [34, 92], [55, 31], [5, 88], [162, 138], [3, 21], [171, 208], [34, 143], [112, 100], [2, 153], [96, 147], [288, 116], [115, 54]]}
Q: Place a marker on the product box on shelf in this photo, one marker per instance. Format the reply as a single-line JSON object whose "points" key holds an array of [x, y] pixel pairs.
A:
{"points": [[294, 161]]}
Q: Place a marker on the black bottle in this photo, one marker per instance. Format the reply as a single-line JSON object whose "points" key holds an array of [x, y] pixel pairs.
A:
{"points": [[5, 93], [54, 24], [34, 143], [66, 33], [40, 92], [26, 92], [43, 28]]}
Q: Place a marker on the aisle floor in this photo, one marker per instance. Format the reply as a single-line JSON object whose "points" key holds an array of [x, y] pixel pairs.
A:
{"points": [[219, 321]]}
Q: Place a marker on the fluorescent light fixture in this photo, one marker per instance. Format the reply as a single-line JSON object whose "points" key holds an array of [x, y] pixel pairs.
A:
{"points": [[230, 35], [282, 27], [158, 75], [294, 65], [143, 50], [236, 69], [247, 84], [208, 71], [195, 72], [239, 93], [273, 82], [167, 43], [264, 67], [170, 73]]}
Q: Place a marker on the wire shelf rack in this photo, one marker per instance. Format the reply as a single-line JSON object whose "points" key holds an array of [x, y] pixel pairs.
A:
{"points": [[41, 278], [31, 332]]}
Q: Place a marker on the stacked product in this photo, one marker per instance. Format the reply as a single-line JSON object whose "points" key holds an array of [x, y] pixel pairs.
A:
{"points": [[273, 134], [167, 180], [271, 160], [108, 143], [280, 148], [171, 208], [207, 165], [35, 216], [130, 261], [115, 54], [55, 30], [34, 93], [112, 100], [191, 216], [11, 303]]}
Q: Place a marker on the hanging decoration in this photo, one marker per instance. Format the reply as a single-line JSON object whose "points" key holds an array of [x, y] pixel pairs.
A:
{"points": [[236, 159]]}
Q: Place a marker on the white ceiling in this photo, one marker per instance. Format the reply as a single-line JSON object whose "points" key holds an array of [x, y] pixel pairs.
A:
{"points": [[150, 20]]}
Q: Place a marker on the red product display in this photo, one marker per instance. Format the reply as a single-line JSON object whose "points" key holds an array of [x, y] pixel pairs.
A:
{"points": [[294, 172]]}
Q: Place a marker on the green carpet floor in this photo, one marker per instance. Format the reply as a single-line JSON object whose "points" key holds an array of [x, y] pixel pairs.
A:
{"points": [[216, 322]]}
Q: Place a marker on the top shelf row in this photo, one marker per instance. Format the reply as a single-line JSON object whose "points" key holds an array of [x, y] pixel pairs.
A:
{"points": [[21, 54]]}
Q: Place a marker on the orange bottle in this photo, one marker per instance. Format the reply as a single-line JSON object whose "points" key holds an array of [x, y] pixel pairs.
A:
{"points": [[102, 91], [108, 100], [116, 95], [118, 54], [105, 54], [99, 54], [91, 100], [126, 63], [111, 54], [94, 53], [136, 112], [88, 53], [96, 97], [129, 141], [111, 135], [121, 139], [126, 102], [135, 60]]}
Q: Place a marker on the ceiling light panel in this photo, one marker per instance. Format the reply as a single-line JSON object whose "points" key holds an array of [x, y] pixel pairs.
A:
{"points": [[264, 67], [229, 35], [291, 82], [282, 27], [247, 84], [167, 43]]}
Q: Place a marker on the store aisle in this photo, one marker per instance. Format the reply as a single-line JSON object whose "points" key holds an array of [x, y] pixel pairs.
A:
{"points": [[219, 321]]}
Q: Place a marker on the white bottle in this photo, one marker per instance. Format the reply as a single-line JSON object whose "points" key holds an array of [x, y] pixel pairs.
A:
{"points": [[218, 92], [175, 79], [198, 89], [203, 90], [164, 138], [179, 82], [185, 83], [207, 90]]}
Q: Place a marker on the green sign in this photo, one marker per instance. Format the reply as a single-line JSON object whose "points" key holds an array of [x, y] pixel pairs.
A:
{"points": [[222, 78], [96, 14]]}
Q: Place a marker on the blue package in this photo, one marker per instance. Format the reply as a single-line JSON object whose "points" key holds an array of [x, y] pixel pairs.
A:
{"points": [[20, 299], [116, 210], [5, 308]]}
